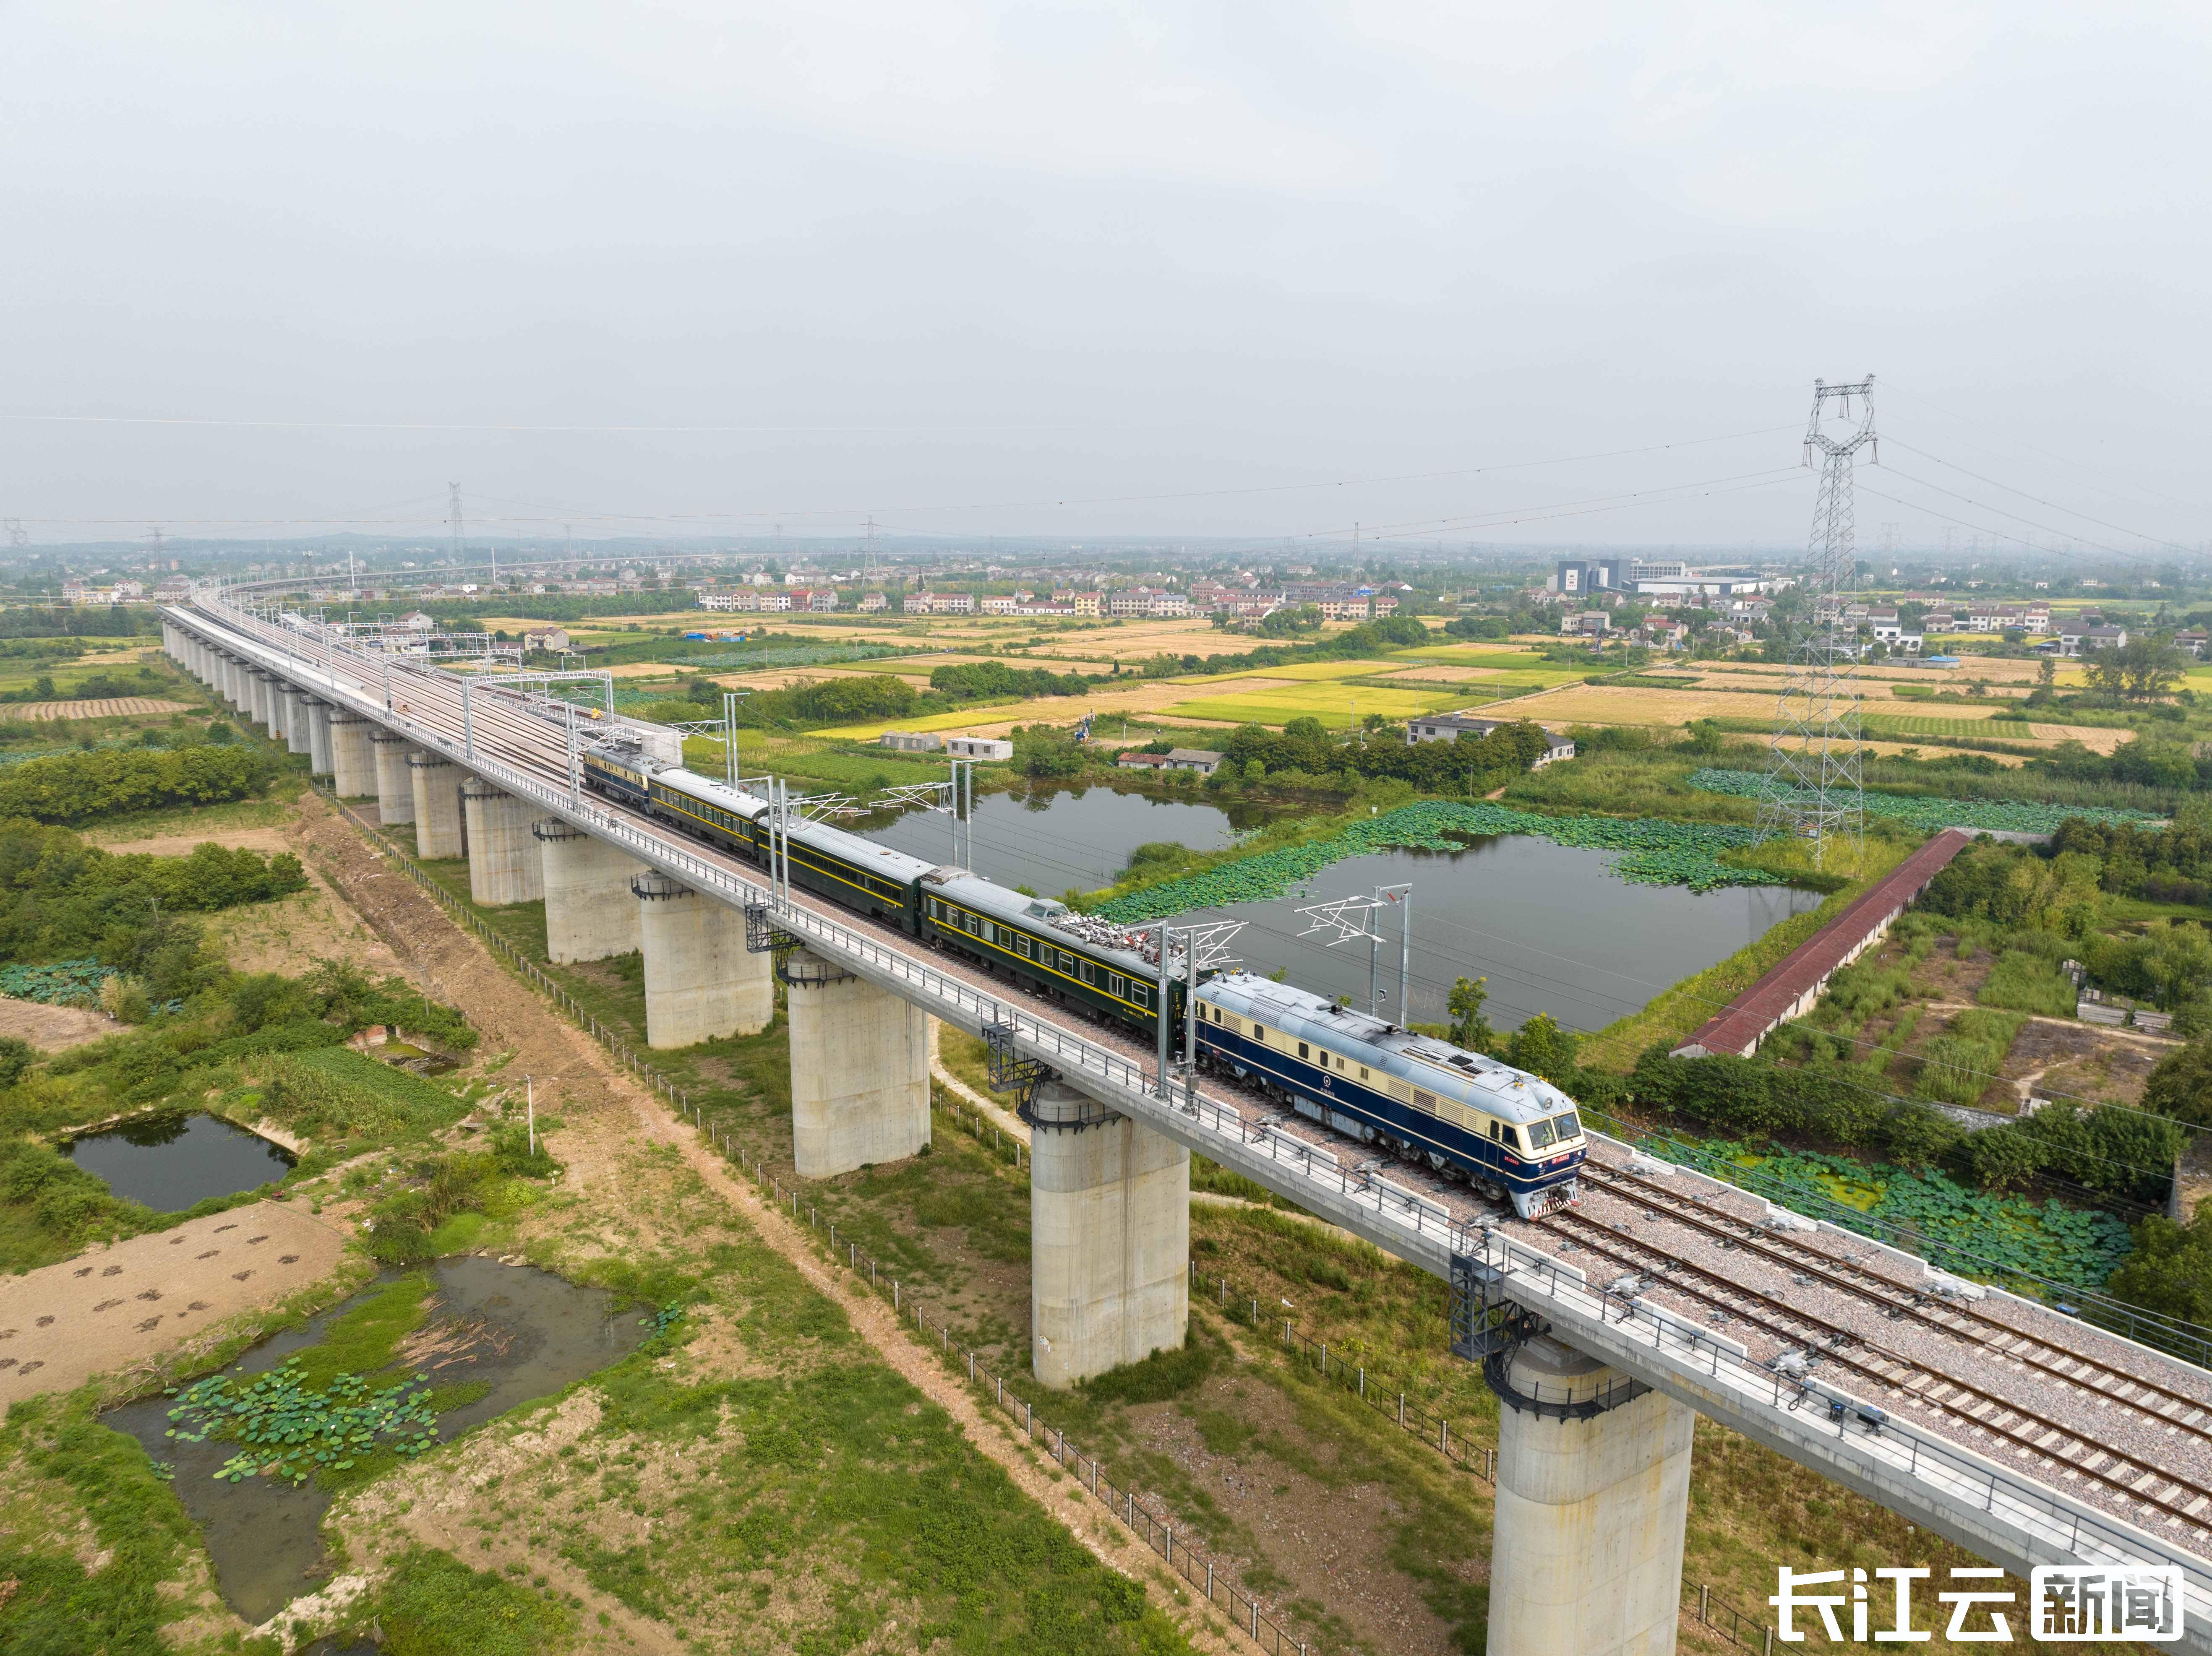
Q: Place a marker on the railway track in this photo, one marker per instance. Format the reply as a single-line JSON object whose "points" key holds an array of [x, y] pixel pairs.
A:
{"points": [[2167, 1406], [2070, 1451]]}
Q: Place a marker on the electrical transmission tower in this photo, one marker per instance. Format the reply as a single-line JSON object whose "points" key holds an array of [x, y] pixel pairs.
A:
{"points": [[18, 537], [453, 521], [1813, 787]]}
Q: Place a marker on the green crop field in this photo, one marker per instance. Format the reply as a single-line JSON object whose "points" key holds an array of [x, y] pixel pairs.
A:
{"points": [[1333, 704], [2016, 815], [1935, 724]]}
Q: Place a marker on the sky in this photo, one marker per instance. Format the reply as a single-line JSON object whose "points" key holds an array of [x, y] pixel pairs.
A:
{"points": [[1425, 273]]}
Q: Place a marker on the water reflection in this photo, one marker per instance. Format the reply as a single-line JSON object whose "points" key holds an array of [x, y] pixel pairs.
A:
{"points": [[1051, 839], [1550, 925], [172, 1161]]}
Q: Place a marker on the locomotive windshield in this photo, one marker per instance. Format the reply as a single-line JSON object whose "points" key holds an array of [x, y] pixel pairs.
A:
{"points": [[1540, 1134]]}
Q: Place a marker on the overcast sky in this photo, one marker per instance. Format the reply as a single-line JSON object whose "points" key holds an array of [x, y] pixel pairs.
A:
{"points": [[1093, 269]]}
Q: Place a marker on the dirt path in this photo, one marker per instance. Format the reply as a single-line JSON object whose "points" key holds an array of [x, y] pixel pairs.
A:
{"points": [[997, 1114], [604, 1099]]}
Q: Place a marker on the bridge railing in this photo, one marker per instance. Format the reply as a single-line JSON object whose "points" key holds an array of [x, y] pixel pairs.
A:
{"points": [[1428, 1233]]}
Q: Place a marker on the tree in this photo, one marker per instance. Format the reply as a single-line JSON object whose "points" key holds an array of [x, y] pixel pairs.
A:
{"points": [[2171, 1270], [1543, 1048], [2143, 669], [1470, 1028], [2181, 1085]]}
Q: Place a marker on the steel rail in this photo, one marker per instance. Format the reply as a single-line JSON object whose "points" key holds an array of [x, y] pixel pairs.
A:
{"points": [[1775, 1315], [1903, 1300]]}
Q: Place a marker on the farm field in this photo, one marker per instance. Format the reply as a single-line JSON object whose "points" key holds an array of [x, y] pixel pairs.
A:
{"points": [[111, 708], [1303, 671], [1333, 704], [1130, 699]]}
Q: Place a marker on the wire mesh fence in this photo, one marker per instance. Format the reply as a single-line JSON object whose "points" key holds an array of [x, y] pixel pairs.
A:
{"points": [[1374, 1390]]}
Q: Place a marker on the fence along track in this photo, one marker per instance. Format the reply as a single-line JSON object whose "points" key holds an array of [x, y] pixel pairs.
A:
{"points": [[1990, 1412], [2192, 1414]]}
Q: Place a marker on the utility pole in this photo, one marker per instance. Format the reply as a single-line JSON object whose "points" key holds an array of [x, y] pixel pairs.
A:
{"points": [[1813, 779]]}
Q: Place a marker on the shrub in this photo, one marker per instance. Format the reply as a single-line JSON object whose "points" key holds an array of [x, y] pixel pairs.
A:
{"points": [[436, 1605], [83, 787], [2026, 983]]}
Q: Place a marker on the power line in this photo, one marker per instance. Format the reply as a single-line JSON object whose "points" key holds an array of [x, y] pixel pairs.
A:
{"points": [[2055, 506]]}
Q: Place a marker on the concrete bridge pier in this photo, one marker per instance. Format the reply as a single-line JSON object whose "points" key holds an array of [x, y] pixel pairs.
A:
{"points": [[296, 736], [860, 1069], [277, 690], [436, 781], [590, 911], [395, 790], [1593, 1490], [353, 771], [257, 685], [232, 671], [503, 861], [1110, 1238], [700, 982], [318, 716]]}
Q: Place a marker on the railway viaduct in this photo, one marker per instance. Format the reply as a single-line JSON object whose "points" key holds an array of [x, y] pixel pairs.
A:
{"points": [[1599, 1376]]}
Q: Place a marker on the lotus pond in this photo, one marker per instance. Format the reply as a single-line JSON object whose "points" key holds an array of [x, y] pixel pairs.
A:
{"points": [[1973, 1233], [257, 1452]]}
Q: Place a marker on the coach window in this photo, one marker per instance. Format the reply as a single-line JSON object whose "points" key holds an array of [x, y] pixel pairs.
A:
{"points": [[1116, 985], [1141, 994]]}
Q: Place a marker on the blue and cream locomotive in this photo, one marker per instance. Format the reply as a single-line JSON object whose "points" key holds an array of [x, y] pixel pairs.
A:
{"points": [[1511, 1134]]}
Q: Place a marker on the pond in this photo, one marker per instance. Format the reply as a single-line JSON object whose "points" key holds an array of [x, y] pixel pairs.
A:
{"points": [[171, 1163], [1050, 838], [1550, 925], [517, 1332]]}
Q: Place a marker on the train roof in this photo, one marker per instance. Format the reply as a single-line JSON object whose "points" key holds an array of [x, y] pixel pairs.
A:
{"points": [[854, 848], [1098, 938], [1470, 1078]]}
